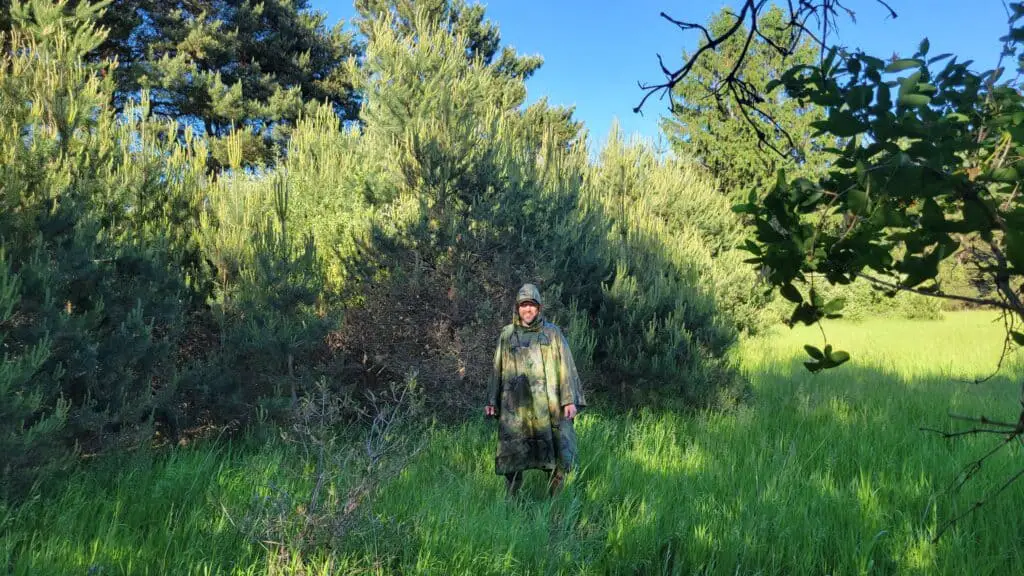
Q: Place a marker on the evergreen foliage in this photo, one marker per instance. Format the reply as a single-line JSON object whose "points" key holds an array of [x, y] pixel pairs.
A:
{"points": [[480, 196], [215, 65], [269, 310], [101, 258], [481, 39], [142, 297]]}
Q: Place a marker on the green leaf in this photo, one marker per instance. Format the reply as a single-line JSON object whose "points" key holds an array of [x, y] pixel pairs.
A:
{"points": [[844, 124], [780, 179], [923, 48], [1017, 337], [857, 200], [884, 97], [805, 314], [1004, 174], [903, 64], [931, 215], [813, 367], [872, 61], [838, 357], [814, 352], [816, 299], [834, 305], [812, 198], [975, 217], [859, 96], [789, 292], [914, 100], [943, 56]]}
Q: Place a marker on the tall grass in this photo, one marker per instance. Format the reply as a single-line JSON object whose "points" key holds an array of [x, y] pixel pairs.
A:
{"points": [[817, 474]]}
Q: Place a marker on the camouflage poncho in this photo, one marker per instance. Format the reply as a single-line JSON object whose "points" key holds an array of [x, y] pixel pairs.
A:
{"points": [[534, 378]]}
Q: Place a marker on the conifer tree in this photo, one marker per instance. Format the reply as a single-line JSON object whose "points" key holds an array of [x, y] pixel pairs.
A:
{"points": [[219, 64], [100, 259], [481, 37]]}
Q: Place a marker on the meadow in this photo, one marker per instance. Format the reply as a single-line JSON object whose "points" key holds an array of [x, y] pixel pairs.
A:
{"points": [[815, 474]]}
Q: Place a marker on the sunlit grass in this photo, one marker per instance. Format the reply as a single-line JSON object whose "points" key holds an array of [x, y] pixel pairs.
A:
{"points": [[818, 474]]}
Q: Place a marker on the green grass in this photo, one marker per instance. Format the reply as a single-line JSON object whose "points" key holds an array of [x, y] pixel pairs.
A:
{"points": [[822, 474]]}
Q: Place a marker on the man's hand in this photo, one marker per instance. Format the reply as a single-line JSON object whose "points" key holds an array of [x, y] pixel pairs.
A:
{"points": [[570, 411], [489, 410]]}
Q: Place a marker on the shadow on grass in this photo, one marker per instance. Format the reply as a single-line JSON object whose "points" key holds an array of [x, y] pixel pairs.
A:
{"points": [[819, 475], [824, 474]]}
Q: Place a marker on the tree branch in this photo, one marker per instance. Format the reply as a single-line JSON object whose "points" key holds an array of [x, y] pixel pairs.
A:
{"points": [[963, 432], [675, 77], [969, 299], [799, 15], [949, 524], [987, 421]]}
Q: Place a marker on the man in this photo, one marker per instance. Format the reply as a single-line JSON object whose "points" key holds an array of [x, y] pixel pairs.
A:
{"points": [[534, 392]]}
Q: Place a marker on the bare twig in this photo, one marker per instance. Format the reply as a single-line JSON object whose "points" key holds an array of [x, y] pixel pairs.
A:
{"points": [[1013, 431], [1008, 327], [675, 77], [945, 434], [952, 521], [985, 421], [974, 467], [937, 294], [824, 12]]}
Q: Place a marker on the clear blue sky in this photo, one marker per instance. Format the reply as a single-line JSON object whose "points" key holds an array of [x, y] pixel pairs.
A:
{"points": [[595, 52]]}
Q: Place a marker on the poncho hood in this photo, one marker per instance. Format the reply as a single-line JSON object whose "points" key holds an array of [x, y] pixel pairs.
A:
{"points": [[528, 293]]}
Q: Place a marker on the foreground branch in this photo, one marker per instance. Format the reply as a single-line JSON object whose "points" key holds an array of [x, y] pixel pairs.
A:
{"points": [[893, 286], [1012, 431], [824, 11]]}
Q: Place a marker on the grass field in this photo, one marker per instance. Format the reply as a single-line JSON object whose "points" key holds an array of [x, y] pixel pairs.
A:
{"points": [[823, 474]]}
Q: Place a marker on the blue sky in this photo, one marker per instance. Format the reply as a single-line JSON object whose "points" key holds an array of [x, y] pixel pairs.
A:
{"points": [[595, 52]]}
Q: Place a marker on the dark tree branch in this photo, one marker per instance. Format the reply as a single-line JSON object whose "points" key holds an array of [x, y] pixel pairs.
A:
{"points": [[675, 77], [1013, 432], [824, 11], [986, 421], [1008, 326], [974, 467], [963, 432], [952, 521], [684, 26], [969, 299]]}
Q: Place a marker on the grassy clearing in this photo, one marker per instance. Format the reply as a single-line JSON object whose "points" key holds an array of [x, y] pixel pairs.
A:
{"points": [[825, 474]]}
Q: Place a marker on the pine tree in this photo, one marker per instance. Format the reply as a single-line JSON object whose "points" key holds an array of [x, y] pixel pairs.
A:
{"points": [[216, 65], [225, 64], [100, 256], [481, 38]]}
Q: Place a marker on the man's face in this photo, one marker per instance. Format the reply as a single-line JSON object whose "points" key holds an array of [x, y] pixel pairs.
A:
{"points": [[528, 311]]}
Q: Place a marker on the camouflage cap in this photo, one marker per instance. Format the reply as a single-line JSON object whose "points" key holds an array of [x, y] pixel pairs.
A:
{"points": [[528, 293]]}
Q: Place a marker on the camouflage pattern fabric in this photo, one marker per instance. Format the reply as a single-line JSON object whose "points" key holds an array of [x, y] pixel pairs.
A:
{"points": [[534, 377]]}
